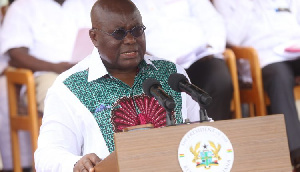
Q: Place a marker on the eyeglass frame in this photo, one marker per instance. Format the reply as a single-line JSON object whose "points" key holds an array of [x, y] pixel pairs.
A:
{"points": [[126, 31]]}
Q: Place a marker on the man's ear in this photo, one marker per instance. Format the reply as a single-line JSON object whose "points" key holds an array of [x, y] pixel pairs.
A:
{"points": [[93, 37]]}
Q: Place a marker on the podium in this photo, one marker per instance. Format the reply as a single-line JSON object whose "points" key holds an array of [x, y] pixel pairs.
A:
{"points": [[259, 144]]}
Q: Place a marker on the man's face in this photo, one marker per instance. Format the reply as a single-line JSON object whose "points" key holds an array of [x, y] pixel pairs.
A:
{"points": [[121, 55]]}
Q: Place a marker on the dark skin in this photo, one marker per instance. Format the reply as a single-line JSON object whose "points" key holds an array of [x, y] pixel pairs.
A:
{"points": [[60, 1], [87, 163], [20, 57], [120, 57]]}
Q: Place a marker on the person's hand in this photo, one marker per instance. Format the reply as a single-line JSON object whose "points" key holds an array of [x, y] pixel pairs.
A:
{"points": [[87, 163], [61, 67]]}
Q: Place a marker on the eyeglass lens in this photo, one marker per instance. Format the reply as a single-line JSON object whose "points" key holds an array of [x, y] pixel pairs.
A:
{"points": [[120, 34]]}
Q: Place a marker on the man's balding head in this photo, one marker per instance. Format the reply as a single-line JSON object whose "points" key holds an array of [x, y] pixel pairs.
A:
{"points": [[118, 34], [103, 8]]}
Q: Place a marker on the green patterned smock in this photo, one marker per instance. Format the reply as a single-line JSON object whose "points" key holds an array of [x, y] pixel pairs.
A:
{"points": [[115, 105]]}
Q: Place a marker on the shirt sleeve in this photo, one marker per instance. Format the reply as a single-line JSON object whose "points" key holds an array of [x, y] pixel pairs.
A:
{"points": [[16, 31], [69, 130], [60, 140], [212, 23], [237, 15]]}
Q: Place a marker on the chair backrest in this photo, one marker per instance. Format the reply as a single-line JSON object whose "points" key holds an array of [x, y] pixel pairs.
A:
{"points": [[231, 63], [21, 119], [253, 95]]}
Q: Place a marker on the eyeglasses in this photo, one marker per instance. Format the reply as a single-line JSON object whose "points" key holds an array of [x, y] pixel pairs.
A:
{"points": [[120, 33]]}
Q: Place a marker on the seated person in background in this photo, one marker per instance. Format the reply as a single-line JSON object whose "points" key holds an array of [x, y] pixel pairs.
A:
{"points": [[192, 34], [272, 27], [39, 35], [85, 103]]}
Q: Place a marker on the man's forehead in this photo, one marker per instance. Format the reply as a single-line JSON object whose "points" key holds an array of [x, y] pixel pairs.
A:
{"points": [[119, 18], [121, 10], [116, 5]]}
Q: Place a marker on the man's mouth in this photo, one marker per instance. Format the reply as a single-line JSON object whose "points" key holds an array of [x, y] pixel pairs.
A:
{"points": [[130, 54]]}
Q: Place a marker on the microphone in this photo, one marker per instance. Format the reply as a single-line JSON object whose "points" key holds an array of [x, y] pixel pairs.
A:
{"points": [[153, 88], [180, 83]]}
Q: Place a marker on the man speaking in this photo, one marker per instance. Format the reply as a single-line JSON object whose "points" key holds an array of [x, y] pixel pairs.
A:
{"points": [[103, 94]]}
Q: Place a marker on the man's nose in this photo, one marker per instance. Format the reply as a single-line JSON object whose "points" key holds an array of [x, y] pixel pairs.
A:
{"points": [[129, 38]]}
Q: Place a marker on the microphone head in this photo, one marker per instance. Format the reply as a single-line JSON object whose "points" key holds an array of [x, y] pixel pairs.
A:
{"points": [[148, 83], [174, 80]]}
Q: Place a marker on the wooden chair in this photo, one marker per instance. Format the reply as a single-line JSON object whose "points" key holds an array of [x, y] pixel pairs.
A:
{"points": [[22, 118], [255, 95], [229, 57], [252, 94]]}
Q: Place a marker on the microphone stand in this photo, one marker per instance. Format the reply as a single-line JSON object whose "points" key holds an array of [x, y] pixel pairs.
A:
{"points": [[169, 117], [203, 114]]}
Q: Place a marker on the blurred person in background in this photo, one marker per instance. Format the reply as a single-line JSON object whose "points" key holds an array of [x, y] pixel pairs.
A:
{"points": [[192, 34], [3, 65], [272, 27], [39, 35]]}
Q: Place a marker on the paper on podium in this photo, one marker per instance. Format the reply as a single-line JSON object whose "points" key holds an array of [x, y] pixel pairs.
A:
{"points": [[83, 45]]}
